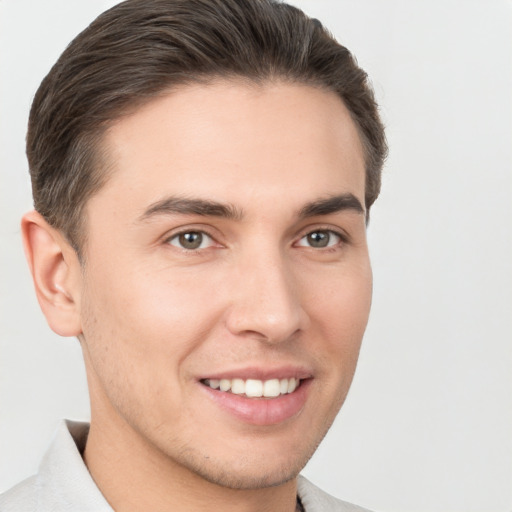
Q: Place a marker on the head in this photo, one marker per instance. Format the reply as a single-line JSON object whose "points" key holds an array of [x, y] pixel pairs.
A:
{"points": [[203, 173]]}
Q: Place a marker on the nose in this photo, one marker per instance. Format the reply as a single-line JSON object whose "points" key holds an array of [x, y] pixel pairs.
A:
{"points": [[266, 300]]}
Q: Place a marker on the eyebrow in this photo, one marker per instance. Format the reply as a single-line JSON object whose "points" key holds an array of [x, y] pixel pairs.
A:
{"points": [[186, 206], [332, 205]]}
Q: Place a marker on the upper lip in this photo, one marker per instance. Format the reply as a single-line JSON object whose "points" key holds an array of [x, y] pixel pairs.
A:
{"points": [[261, 373]]}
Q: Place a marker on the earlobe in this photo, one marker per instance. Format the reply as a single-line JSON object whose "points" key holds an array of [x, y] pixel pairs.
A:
{"points": [[56, 274]]}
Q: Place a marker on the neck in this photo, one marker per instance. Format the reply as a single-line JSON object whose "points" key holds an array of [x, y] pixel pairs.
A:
{"points": [[134, 476]]}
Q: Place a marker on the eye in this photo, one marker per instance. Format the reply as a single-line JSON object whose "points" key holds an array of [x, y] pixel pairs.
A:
{"points": [[191, 240], [320, 239]]}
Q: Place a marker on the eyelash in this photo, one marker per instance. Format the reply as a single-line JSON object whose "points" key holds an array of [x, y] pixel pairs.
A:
{"points": [[201, 232], [343, 239]]}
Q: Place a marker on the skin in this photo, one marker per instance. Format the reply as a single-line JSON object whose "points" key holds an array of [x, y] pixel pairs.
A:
{"points": [[154, 318]]}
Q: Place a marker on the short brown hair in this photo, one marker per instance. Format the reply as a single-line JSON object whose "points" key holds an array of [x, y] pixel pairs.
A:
{"points": [[141, 48]]}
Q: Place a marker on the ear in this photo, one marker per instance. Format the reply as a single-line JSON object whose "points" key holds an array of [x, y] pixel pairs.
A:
{"points": [[56, 274]]}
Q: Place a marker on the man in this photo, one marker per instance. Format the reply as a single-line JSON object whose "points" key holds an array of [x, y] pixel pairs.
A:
{"points": [[202, 176]]}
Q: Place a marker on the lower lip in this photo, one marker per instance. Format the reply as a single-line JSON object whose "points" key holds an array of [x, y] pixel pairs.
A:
{"points": [[261, 411]]}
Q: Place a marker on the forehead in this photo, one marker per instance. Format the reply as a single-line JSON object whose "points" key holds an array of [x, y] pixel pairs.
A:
{"points": [[235, 142]]}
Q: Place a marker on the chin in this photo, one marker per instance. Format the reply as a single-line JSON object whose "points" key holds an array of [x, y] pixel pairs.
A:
{"points": [[249, 477], [250, 471]]}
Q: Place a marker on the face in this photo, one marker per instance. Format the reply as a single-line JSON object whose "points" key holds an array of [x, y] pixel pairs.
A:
{"points": [[227, 283]]}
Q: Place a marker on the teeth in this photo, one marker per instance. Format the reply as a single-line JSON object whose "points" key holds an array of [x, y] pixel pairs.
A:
{"points": [[238, 386], [255, 388], [225, 384], [271, 388], [214, 383]]}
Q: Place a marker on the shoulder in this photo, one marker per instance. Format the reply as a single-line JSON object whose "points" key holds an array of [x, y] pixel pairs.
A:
{"points": [[315, 500], [22, 496], [63, 483]]}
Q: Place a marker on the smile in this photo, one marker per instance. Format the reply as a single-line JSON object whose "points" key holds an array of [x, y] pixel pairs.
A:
{"points": [[254, 388], [268, 400]]}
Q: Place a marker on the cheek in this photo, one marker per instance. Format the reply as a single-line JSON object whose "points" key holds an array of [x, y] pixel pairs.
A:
{"points": [[343, 297], [144, 308], [340, 313], [138, 331]]}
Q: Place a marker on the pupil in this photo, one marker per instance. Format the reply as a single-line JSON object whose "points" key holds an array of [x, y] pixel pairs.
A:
{"points": [[318, 239], [191, 240]]}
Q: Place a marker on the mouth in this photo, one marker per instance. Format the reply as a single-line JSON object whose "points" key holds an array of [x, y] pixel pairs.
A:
{"points": [[254, 388], [260, 402]]}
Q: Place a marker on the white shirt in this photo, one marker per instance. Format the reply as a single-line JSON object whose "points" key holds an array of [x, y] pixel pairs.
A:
{"points": [[63, 483]]}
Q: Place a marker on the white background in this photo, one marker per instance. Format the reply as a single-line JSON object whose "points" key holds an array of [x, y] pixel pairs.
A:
{"points": [[428, 422]]}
